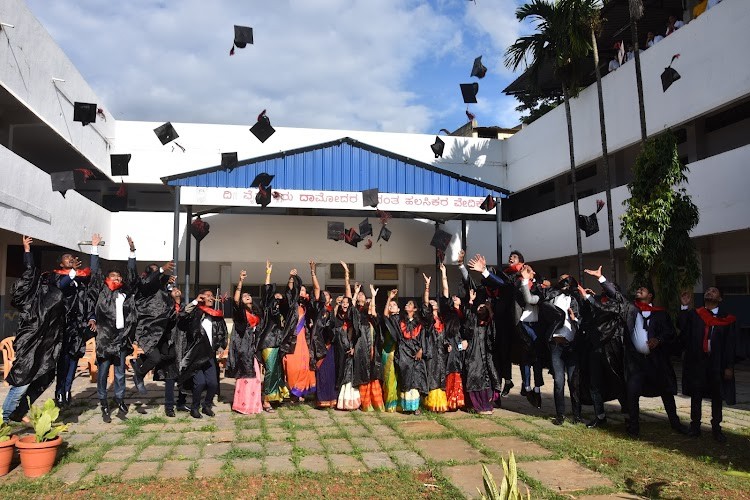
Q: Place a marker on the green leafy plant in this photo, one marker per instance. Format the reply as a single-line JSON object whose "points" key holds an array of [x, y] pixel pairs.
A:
{"points": [[42, 418], [5, 432], [508, 488]]}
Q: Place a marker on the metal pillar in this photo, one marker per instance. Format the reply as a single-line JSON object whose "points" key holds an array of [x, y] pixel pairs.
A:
{"points": [[499, 235], [189, 244], [176, 231]]}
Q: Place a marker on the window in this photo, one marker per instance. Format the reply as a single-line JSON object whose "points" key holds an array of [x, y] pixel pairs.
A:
{"points": [[583, 173], [336, 271], [733, 284], [546, 188], [386, 272]]}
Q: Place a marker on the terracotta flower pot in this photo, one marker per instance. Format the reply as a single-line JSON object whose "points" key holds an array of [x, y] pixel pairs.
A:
{"points": [[37, 459], [6, 454]]}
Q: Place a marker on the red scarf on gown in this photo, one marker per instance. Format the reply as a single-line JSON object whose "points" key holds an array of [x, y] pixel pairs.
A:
{"points": [[710, 321], [113, 285], [80, 273], [647, 307], [211, 312], [252, 319]]}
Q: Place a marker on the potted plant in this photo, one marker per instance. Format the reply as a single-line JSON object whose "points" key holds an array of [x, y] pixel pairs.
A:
{"points": [[7, 443], [38, 452]]}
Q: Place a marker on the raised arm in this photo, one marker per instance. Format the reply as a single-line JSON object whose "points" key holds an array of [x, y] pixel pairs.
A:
{"points": [[316, 284], [426, 297], [96, 238], [527, 274], [269, 268], [347, 286], [132, 279], [444, 276], [609, 288], [391, 295], [479, 264], [238, 290], [373, 293]]}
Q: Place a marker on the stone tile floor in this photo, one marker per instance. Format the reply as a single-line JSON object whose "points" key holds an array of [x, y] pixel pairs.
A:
{"points": [[299, 438]]}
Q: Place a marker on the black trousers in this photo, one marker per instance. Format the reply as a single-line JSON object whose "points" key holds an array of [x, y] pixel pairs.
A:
{"points": [[205, 380], [635, 389], [713, 377]]}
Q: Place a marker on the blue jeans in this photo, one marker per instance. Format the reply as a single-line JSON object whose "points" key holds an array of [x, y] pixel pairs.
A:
{"points": [[205, 379], [15, 394], [66, 370], [564, 362], [537, 366], [103, 374]]}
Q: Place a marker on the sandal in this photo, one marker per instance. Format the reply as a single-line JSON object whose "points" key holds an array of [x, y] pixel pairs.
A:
{"points": [[269, 409]]}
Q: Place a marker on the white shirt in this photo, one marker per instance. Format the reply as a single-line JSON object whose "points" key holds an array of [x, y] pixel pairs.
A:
{"points": [[657, 39], [530, 312], [613, 65], [119, 314], [562, 301], [208, 327], [640, 335], [679, 24]]}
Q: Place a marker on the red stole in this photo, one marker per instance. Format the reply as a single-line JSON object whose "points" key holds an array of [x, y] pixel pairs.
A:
{"points": [[710, 321], [113, 285], [211, 312], [80, 273], [177, 307], [252, 319], [414, 333], [439, 326], [647, 307]]}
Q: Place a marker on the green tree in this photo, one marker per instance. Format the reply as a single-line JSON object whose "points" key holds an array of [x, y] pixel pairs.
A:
{"points": [[536, 105], [562, 39], [657, 222]]}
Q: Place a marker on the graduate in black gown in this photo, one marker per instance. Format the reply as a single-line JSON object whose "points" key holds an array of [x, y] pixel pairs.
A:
{"points": [[172, 350], [709, 336], [452, 315], [113, 317], [275, 315], [481, 380], [38, 338], [345, 325], [408, 331], [153, 305], [368, 363], [436, 399]]}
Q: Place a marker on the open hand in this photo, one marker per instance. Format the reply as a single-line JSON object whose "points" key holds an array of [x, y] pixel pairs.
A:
{"points": [[168, 267], [27, 241], [596, 273], [427, 280], [478, 263], [96, 238], [418, 355], [130, 243], [92, 325]]}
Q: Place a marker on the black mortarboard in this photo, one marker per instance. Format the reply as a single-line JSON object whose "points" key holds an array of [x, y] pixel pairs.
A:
{"points": [[242, 36], [335, 231], [263, 198], [469, 91], [229, 161], [441, 240], [351, 237], [63, 181], [262, 179], [438, 147], [199, 228], [262, 129], [166, 133], [588, 224], [370, 197], [668, 77], [385, 233], [488, 203], [84, 112], [479, 69], [119, 164], [365, 228]]}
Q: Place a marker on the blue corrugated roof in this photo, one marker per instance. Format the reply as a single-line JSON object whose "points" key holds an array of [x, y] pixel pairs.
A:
{"points": [[342, 165]]}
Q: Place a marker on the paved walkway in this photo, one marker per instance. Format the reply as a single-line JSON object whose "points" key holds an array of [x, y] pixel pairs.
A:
{"points": [[300, 438]]}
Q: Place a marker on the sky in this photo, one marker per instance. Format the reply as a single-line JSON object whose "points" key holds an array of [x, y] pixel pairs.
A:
{"points": [[378, 65]]}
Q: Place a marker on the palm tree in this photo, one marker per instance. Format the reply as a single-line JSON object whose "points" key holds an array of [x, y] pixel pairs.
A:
{"points": [[562, 40], [591, 12]]}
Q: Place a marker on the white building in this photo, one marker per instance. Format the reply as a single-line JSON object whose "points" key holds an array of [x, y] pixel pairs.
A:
{"points": [[709, 107]]}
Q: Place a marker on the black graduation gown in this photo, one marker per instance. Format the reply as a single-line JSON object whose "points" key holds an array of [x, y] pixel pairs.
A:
{"points": [[479, 369], [438, 349], [110, 341], [452, 335], [412, 373], [243, 345], [153, 305], [344, 339], [698, 367], [40, 326], [274, 317], [316, 348], [199, 350], [368, 363], [172, 347], [76, 331], [659, 374]]}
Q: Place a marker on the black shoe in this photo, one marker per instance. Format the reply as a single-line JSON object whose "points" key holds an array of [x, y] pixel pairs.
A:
{"points": [[60, 400], [531, 398], [558, 420], [695, 430], [210, 413], [577, 419], [679, 427], [169, 412], [195, 413], [633, 433], [137, 378], [524, 392], [506, 389], [538, 399], [597, 422], [182, 407], [105, 413], [121, 406], [68, 399], [718, 435]]}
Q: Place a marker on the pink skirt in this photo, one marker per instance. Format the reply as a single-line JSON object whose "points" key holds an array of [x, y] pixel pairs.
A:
{"points": [[248, 394]]}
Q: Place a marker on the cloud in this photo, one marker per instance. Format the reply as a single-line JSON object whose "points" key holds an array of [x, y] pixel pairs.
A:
{"points": [[326, 64]]}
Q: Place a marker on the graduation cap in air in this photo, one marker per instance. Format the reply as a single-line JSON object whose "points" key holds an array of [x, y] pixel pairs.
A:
{"points": [[262, 181], [441, 240], [469, 92], [385, 234], [199, 228], [263, 129], [365, 228], [479, 69], [84, 112], [488, 203], [229, 161], [63, 181], [370, 197], [669, 75], [335, 231], [242, 36], [589, 224], [351, 237], [119, 164], [166, 133], [438, 147]]}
